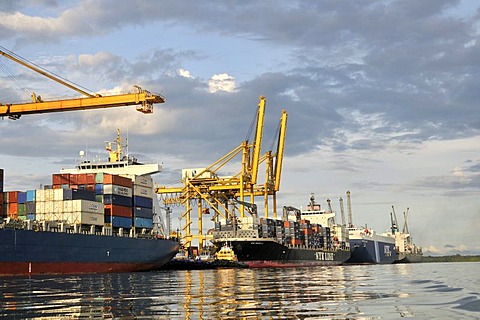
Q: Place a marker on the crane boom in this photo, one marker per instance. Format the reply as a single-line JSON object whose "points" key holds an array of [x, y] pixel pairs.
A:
{"points": [[142, 98], [280, 149], [258, 139]]}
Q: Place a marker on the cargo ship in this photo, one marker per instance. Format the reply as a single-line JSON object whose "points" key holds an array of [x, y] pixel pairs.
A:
{"points": [[406, 250], [311, 238], [368, 247], [97, 217]]}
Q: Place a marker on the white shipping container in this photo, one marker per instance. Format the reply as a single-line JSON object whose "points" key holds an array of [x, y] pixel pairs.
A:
{"points": [[143, 191], [57, 194], [87, 206], [81, 217], [44, 207], [44, 194], [145, 181], [57, 206], [118, 190]]}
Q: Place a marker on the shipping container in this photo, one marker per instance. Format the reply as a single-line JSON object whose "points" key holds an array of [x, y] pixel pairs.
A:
{"points": [[145, 181], [143, 223], [117, 200], [117, 180], [83, 206], [99, 188], [81, 217], [12, 197], [21, 197], [142, 212], [142, 191], [22, 209], [119, 222], [121, 211], [61, 178], [142, 202], [31, 195], [30, 207], [12, 208], [118, 190], [31, 216], [78, 194]]}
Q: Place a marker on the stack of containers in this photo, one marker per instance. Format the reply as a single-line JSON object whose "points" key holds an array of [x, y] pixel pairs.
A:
{"points": [[296, 239], [68, 205], [306, 232], [2, 207], [21, 205], [142, 201], [31, 204], [11, 204], [116, 194]]}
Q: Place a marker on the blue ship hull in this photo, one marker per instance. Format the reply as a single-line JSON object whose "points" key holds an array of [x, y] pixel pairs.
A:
{"points": [[29, 252], [369, 251]]}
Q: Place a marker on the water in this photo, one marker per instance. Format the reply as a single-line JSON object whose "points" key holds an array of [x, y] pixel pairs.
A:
{"points": [[421, 291]]}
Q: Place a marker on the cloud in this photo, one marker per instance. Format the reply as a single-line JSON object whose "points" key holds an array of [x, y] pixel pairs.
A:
{"points": [[185, 73], [221, 82]]}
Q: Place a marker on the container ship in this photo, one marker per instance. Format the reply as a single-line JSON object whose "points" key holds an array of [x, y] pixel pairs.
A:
{"points": [[97, 217], [368, 247], [312, 238]]}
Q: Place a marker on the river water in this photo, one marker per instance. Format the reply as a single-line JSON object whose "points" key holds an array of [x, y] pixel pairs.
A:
{"points": [[420, 291]]}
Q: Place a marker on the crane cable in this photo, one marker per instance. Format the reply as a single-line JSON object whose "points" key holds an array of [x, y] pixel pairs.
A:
{"points": [[14, 78], [43, 69]]}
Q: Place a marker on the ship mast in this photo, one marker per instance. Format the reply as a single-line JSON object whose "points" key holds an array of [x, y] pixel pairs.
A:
{"points": [[349, 209]]}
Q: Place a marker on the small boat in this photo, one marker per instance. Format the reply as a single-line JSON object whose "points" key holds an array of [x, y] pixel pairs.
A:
{"points": [[226, 253]]}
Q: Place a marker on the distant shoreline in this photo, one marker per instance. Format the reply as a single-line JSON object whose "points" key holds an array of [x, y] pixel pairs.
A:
{"points": [[453, 258]]}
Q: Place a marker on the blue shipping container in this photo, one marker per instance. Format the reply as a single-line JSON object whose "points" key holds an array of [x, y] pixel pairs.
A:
{"points": [[119, 222], [22, 197], [99, 188], [142, 202], [30, 207], [143, 223], [142, 212], [31, 195], [81, 195], [31, 216], [117, 200]]}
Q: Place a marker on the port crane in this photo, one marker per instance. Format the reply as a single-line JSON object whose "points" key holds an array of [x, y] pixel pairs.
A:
{"points": [[210, 192], [143, 99]]}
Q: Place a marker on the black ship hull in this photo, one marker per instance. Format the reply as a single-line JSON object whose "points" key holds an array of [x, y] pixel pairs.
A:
{"points": [[257, 253]]}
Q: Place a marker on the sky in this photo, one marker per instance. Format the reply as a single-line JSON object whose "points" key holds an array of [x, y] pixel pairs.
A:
{"points": [[382, 98]]}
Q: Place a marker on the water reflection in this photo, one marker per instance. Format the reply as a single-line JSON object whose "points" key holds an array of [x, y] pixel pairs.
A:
{"points": [[354, 292]]}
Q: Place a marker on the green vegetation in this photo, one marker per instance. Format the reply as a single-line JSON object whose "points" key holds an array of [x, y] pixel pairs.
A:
{"points": [[454, 258]]}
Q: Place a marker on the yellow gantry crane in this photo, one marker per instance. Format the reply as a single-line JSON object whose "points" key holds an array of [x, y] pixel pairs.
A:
{"points": [[212, 193], [142, 98]]}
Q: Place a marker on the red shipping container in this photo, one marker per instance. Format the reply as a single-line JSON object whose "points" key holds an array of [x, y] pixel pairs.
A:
{"points": [[90, 178], [82, 178], [73, 179], [118, 180], [119, 211], [57, 186], [90, 187], [61, 178], [12, 196]]}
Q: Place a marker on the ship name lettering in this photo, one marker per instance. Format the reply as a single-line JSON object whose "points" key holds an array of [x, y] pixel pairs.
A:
{"points": [[324, 256]]}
